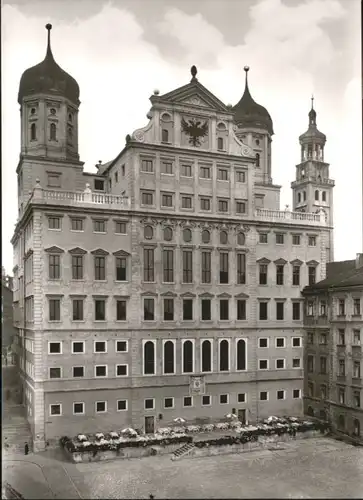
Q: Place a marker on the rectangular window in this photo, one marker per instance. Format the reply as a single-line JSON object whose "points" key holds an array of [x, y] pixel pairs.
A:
{"points": [[224, 309], [240, 176], [167, 200], [122, 405], [54, 180], [279, 311], [187, 401], [241, 397], [55, 410], [76, 224], [312, 275], [204, 172], [205, 204], [186, 202], [223, 268], [279, 238], [168, 309], [241, 268], [341, 337], [263, 396], [77, 267], [280, 394], [262, 237], [223, 399], [149, 264], [187, 266], [78, 371], [323, 392], [206, 310], [187, 309], [147, 166], [341, 307], [100, 310], [99, 185], [296, 363], [55, 372], [310, 363], [168, 265], [121, 307], [121, 346], [341, 395], [296, 239], [120, 227], [279, 275], [149, 404], [296, 341], [147, 198], [101, 371], [78, 408], [323, 365], [263, 311], [99, 226], [206, 400], [149, 309], [54, 348], [341, 365], [121, 269], [100, 346], [311, 389], [166, 167], [312, 241], [78, 347], [356, 399], [263, 364], [323, 339], [77, 306], [296, 311], [296, 393], [263, 274], [322, 308], [222, 174], [240, 207], [54, 309], [241, 309], [356, 369], [54, 222], [263, 342], [206, 267], [186, 170], [164, 135], [121, 370], [356, 337], [296, 275], [100, 268], [168, 403], [310, 308], [222, 206], [356, 307], [280, 342], [101, 407], [54, 267]]}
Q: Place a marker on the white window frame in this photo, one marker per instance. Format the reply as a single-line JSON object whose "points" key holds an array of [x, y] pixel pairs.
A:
{"points": [[296, 367], [201, 355], [100, 376], [78, 403], [127, 346], [292, 342], [149, 409], [245, 398], [210, 400], [103, 411], [299, 397], [79, 366], [191, 400], [169, 407], [263, 338], [127, 404], [143, 358], [227, 399], [50, 410], [55, 342], [284, 392], [99, 352], [162, 356], [55, 378], [79, 342], [60, 222], [284, 346], [263, 400], [127, 370], [182, 356], [268, 364], [229, 354], [279, 359]]}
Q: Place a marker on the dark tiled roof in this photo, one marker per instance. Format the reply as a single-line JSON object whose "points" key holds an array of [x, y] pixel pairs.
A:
{"points": [[339, 275]]}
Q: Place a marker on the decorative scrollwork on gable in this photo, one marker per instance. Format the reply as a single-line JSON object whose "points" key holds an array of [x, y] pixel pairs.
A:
{"points": [[149, 221]]}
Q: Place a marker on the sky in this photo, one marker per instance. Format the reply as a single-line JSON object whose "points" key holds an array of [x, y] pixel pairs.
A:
{"points": [[120, 51]]}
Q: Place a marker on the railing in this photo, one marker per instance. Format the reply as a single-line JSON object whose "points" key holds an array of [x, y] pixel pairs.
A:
{"points": [[290, 217], [318, 180]]}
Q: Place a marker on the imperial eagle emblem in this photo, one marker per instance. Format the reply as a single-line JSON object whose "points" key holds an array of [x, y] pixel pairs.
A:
{"points": [[196, 130]]}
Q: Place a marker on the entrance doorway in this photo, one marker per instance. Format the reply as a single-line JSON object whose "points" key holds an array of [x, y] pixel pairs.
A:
{"points": [[242, 416], [149, 425]]}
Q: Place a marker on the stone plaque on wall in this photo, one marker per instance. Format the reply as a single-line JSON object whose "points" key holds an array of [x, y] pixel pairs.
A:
{"points": [[197, 386]]}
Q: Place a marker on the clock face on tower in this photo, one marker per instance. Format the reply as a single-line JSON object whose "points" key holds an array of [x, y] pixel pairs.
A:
{"points": [[195, 129]]}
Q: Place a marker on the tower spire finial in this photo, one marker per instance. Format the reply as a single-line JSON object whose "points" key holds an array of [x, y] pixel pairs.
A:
{"points": [[312, 101], [194, 72], [246, 68], [48, 27]]}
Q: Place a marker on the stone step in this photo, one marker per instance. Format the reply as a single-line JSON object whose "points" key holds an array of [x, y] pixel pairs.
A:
{"points": [[180, 452]]}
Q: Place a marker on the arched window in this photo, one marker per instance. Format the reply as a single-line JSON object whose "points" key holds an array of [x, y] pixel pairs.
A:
{"points": [[169, 357], [341, 423], [223, 237], [304, 195], [70, 133], [299, 197], [187, 235], [224, 356], [310, 411], [257, 159], [356, 427], [188, 363], [310, 151], [149, 358], [164, 135], [148, 232], [241, 239], [53, 132], [206, 356], [323, 196], [220, 144], [205, 236], [69, 117], [33, 132], [241, 355], [168, 234], [317, 195]]}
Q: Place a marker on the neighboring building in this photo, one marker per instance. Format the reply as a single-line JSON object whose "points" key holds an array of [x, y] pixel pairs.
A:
{"points": [[333, 347], [8, 331], [168, 284]]}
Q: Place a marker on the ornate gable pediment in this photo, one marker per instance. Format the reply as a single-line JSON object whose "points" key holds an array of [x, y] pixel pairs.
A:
{"points": [[77, 251], [312, 263], [187, 295], [168, 294], [149, 294], [280, 262], [121, 253], [242, 296], [224, 295], [296, 262], [54, 249], [99, 251], [263, 260], [206, 295], [196, 100]]}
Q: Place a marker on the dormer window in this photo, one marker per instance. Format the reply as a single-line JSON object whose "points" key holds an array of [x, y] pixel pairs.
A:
{"points": [[53, 132], [220, 144], [164, 135], [257, 160], [33, 132]]}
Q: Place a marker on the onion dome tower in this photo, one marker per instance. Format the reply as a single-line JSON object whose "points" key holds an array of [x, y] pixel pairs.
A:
{"points": [[312, 141], [254, 127], [49, 100]]}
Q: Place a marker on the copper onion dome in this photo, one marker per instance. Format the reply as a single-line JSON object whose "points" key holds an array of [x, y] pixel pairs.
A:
{"points": [[248, 113], [48, 78]]}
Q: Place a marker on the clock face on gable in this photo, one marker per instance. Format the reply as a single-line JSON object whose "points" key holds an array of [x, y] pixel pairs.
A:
{"points": [[195, 129]]}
